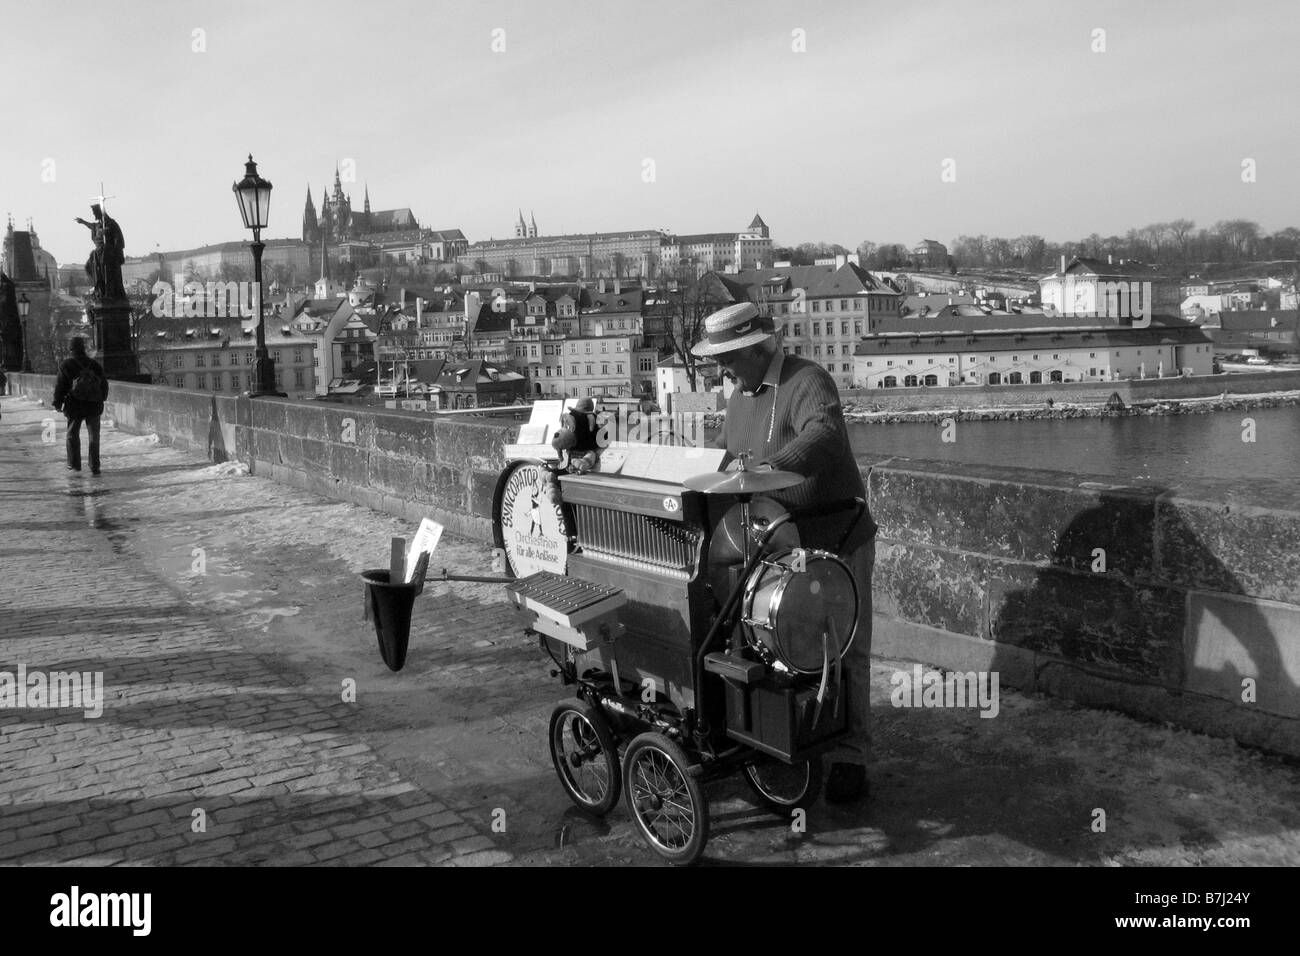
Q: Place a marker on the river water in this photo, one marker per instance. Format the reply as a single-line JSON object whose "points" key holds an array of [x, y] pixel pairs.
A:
{"points": [[1145, 449]]}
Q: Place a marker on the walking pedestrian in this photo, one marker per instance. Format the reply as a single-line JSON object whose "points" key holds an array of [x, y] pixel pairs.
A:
{"points": [[80, 393]]}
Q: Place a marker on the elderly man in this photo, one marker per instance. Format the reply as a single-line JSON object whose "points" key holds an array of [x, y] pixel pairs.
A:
{"points": [[785, 412]]}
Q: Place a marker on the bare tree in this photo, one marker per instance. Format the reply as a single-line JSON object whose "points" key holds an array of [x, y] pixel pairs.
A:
{"points": [[1180, 230], [999, 252], [1240, 236], [683, 302], [232, 272], [1157, 235], [1286, 243]]}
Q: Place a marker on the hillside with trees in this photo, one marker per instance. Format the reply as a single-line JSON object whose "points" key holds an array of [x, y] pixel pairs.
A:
{"points": [[1177, 247]]}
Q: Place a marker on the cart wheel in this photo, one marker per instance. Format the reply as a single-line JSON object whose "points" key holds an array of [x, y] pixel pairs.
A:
{"points": [[585, 756], [781, 787], [664, 799]]}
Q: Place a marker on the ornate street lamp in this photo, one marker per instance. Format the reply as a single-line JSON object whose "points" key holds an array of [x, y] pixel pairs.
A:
{"points": [[23, 305], [254, 196]]}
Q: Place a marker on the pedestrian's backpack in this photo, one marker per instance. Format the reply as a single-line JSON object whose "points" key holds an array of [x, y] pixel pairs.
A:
{"points": [[88, 386]]}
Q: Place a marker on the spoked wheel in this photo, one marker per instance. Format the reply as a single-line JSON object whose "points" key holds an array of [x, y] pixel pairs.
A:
{"points": [[664, 799], [585, 756], [781, 787]]}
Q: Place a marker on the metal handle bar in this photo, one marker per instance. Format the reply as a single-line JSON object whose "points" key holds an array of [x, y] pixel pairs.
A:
{"points": [[475, 578]]}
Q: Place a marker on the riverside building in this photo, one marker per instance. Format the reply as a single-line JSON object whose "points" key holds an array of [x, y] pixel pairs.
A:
{"points": [[955, 348]]}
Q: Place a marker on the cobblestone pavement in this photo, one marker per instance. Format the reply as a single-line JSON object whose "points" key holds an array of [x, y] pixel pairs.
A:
{"points": [[247, 716]]}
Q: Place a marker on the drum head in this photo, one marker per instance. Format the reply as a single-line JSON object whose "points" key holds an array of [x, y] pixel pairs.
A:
{"points": [[821, 599]]}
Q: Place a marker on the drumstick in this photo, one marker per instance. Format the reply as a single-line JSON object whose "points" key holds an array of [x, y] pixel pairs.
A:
{"points": [[821, 691], [839, 681]]}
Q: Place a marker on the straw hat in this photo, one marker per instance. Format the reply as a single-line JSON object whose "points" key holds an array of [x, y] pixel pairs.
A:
{"points": [[733, 328]]}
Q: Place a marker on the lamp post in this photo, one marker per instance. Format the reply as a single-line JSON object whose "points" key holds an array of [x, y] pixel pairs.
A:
{"points": [[253, 194], [23, 305]]}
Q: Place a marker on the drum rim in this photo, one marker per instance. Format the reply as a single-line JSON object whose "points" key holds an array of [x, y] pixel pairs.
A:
{"points": [[773, 610]]}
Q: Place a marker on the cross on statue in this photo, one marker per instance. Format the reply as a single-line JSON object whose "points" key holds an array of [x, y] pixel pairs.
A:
{"points": [[101, 199]]}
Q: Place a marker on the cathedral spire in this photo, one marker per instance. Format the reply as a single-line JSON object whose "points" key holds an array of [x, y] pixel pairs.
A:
{"points": [[309, 221], [367, 199]]}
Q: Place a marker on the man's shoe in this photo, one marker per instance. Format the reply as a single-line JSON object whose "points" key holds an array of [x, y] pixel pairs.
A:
{"points": [[94, 471], [847, 783], [74, 468]]}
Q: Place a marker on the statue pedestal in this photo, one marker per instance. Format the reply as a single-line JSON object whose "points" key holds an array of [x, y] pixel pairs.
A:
{"points": [[112, 322]]}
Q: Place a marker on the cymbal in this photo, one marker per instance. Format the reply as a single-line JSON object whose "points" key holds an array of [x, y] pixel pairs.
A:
{"points": [[742, 482]]}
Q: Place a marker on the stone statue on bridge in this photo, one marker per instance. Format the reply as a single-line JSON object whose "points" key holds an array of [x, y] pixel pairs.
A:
{"points": [[104, 267]]}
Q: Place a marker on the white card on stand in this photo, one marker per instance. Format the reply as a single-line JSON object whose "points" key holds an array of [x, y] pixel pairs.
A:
{"points": [[426, 540]]}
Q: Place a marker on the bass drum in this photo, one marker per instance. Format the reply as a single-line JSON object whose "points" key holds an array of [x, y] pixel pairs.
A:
{"points": [[530, 527], [799, 605]]}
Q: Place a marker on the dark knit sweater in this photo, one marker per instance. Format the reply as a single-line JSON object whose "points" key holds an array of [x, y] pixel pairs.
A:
{"points": [[808, 437]]}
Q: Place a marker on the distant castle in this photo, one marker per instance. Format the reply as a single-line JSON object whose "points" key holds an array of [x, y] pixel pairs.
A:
{"points": [[338, 223]]}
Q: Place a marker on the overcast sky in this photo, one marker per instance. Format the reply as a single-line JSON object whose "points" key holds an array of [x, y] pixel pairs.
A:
{"points": [[842, 142]]}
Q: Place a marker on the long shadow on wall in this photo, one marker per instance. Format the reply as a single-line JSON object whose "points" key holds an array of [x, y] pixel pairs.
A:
{"points": [[1104, 606], [1027, 781]]}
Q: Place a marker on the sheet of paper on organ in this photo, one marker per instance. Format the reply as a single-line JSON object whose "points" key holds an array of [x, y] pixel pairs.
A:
{"points": [[545, 414], [672, 463], [675, 463], [532, 434]]}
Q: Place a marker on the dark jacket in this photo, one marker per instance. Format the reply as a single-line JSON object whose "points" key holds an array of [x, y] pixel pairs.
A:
{"points": [[68, 372]]}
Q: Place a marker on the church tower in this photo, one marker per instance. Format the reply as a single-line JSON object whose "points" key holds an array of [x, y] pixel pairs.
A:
{"points": [[340, 210], [361, 221], [521, 230], [532, 228], [310, 224]]}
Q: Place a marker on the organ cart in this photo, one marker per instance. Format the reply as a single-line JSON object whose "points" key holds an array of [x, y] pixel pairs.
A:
{"points": [[700, 639]]}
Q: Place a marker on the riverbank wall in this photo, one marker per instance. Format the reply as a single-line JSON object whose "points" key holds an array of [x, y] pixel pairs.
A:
{"points": [[1195, 406], [1130, 391]]}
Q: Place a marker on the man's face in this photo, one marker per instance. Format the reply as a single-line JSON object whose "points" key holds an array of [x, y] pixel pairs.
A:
{"points": [[746, 366]]}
